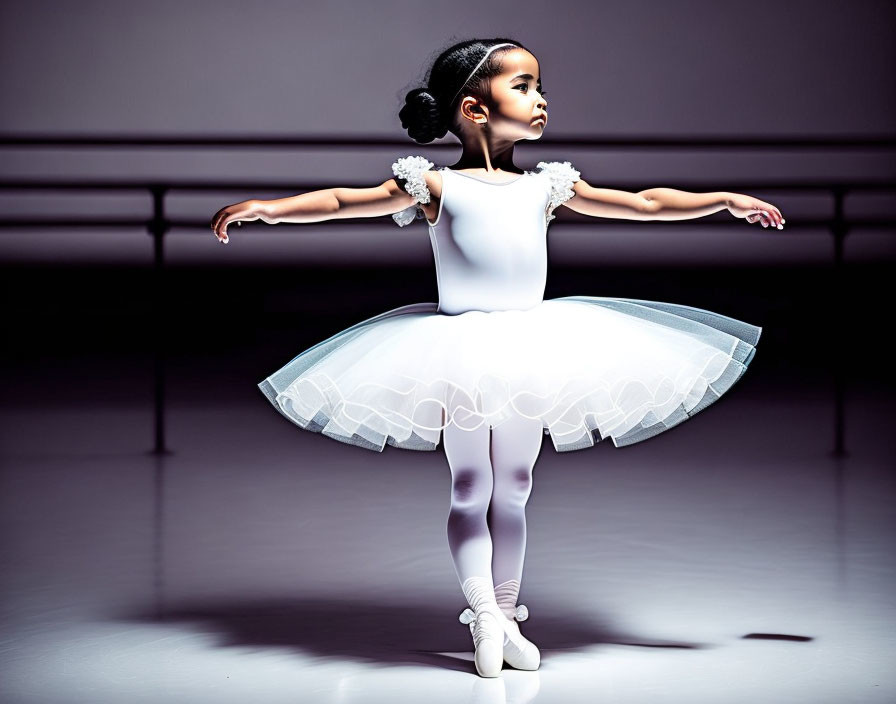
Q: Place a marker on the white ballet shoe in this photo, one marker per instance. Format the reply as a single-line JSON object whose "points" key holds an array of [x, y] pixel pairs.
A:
{"points": [[519, 651], [485, 620]]}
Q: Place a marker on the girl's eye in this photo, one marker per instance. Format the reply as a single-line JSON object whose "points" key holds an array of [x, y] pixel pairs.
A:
{"points": [[524, 85]]}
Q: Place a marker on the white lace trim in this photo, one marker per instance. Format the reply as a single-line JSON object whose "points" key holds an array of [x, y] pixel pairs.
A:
{"points": [[562, 176], [411, 169]]}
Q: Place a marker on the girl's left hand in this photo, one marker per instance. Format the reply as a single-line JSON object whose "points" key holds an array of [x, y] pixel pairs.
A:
{"points": [[753, 210]]}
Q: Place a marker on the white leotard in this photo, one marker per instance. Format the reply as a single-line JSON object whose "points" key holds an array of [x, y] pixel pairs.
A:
{"points": [[489, 238]]}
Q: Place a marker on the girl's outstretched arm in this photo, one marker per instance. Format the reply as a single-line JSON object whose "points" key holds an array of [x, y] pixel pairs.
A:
{"points": [[669, 204], [316, 206]]}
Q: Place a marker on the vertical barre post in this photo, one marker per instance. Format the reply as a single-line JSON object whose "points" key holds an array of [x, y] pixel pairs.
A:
{"points": [[839, 230], [157, 228]]}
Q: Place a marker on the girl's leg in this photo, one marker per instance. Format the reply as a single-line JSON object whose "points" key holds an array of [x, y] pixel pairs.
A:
{"points": [[515, 446], [471, 543], [471, 491]]}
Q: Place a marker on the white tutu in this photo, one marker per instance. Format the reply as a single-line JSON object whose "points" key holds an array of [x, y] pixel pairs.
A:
{"points": [[589, 368]]}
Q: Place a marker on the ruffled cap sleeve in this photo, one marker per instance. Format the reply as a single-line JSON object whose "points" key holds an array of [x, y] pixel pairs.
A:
{"points": [[561, 177], [410, 169]]}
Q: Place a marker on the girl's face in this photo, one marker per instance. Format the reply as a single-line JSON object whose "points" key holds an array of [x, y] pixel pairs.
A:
{"points": [[518, 108]]}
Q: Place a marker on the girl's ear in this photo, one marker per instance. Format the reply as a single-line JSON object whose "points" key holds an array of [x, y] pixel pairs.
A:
{"points": [[474, 110]]}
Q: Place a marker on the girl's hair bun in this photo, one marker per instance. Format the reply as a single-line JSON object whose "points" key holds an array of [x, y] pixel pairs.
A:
{"points": [[429, 113], [422, 117]]}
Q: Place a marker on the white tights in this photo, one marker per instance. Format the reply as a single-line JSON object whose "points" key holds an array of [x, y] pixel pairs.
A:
{"points": [[491, 479]]}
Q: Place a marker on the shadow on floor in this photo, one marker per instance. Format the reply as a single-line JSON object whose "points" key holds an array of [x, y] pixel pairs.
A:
{"points": [[390, 633]]}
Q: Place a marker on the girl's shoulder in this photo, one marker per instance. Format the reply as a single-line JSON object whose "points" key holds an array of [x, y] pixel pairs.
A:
{"points": [[416, 175], [560, 177], [558, 170], [411, 169]]}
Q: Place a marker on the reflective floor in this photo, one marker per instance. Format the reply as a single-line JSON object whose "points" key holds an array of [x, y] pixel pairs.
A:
{"points": [[732, 559]]}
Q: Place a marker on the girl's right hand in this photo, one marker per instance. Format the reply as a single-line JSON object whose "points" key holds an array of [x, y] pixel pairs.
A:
{"points": [[248, 210]]}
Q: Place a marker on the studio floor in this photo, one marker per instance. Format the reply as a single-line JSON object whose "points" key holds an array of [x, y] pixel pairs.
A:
{"points": [[731, 559]]}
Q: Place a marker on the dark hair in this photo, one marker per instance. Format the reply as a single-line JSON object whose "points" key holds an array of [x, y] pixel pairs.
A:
{"points": [[428, 113]]}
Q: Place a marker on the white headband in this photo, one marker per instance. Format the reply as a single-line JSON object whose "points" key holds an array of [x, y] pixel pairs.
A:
{"points": [[482, 61]]}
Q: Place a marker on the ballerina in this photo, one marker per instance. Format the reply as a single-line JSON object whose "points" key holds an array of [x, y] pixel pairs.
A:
{"points": [[493, 366]]}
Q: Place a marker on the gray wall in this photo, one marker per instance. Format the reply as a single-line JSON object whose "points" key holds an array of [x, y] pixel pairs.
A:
{"points": [[705, 67], [633, 68]]}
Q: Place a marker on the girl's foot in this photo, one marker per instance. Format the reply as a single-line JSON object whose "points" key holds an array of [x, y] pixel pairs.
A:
{"points": [[486, 625], [488, 638], [518, 651]]}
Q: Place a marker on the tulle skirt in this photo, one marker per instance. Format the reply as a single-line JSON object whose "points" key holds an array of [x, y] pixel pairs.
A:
{"points": [[589, 368]]}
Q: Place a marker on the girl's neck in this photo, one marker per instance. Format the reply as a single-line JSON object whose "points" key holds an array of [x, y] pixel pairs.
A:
{"points": [[489, 166], [487, 158]]}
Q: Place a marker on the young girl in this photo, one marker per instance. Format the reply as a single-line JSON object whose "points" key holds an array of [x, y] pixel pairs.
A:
{"points": [[493, 366]]}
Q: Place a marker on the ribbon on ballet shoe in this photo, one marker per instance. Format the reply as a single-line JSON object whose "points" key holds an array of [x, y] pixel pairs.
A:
{"points": [[467, 616]]}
